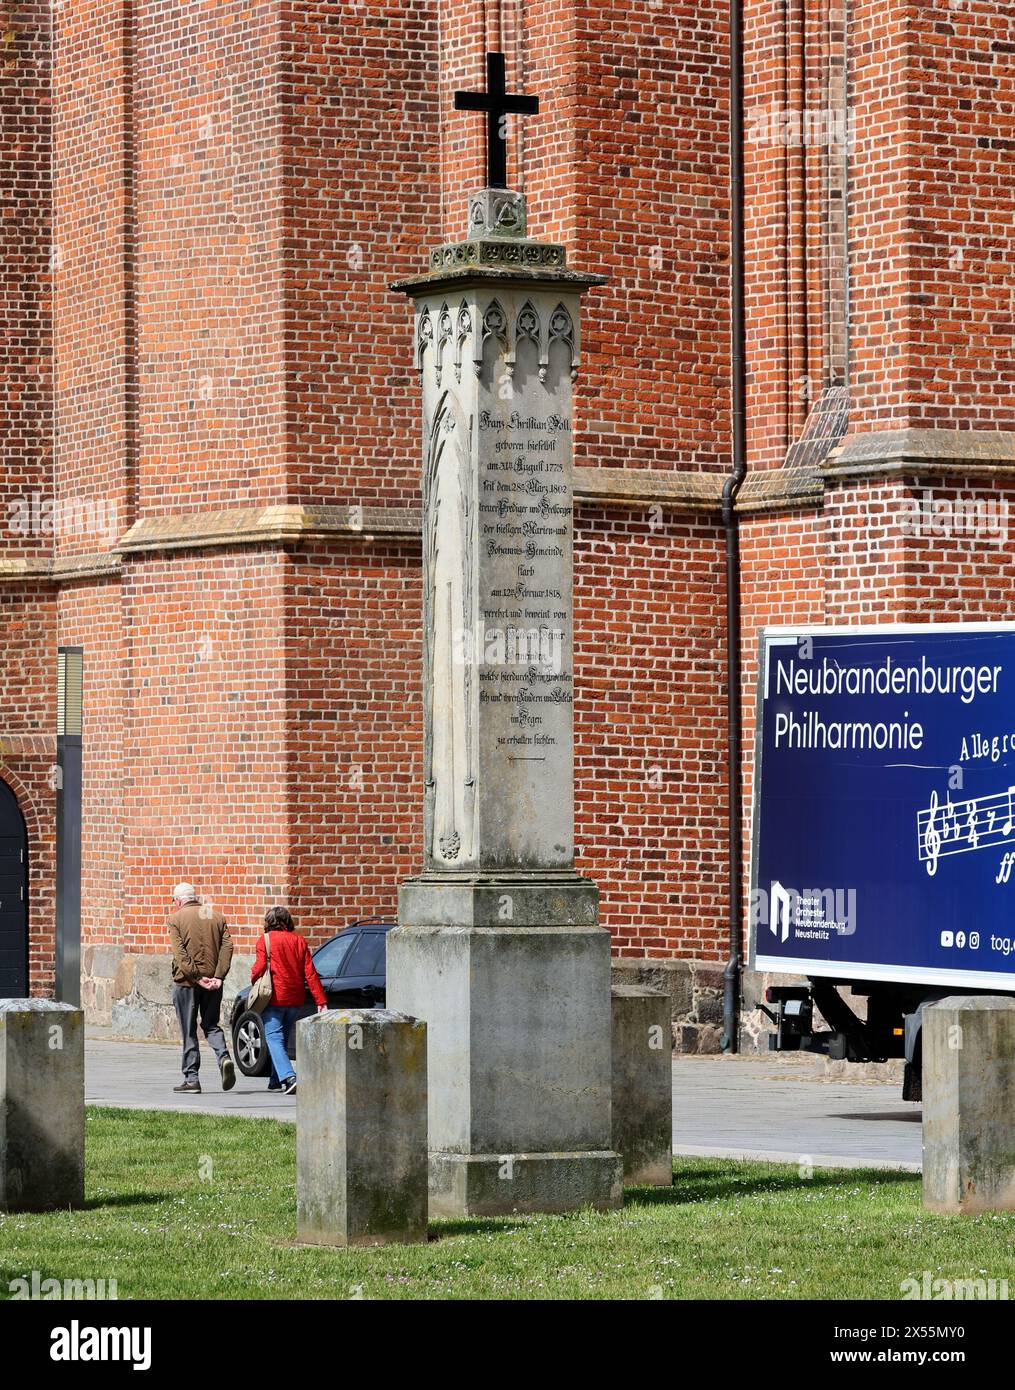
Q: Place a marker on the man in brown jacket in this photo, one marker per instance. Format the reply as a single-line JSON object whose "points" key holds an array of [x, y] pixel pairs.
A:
{"points": [[202, 952]]}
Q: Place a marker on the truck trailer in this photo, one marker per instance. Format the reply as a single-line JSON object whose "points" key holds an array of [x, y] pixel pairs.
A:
{"points": [[883, 839]]}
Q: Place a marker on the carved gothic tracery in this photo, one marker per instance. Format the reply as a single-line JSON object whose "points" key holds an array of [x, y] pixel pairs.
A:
{"points": [[424, 337], [444, 335], [462, 334], [562, 331]]}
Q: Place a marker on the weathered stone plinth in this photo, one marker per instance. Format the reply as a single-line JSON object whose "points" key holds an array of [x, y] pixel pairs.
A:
{"points": [[643, 1084], [361, 1146], [519, 1062], [42, 1105], [969, 1104], [498, 1184]]}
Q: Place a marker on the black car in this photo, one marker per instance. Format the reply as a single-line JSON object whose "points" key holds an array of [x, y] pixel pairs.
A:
{"points": [[351, 967]]}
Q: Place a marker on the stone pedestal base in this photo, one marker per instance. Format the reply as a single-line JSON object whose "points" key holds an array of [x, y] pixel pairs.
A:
{"points": [[42, 1105], [643, 1084], [518, 1053], [361, 1128], [499, 1184], [969, 1104]]}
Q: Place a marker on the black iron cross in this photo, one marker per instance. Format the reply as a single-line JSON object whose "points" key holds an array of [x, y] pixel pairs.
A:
{"points": [[497, 103]]}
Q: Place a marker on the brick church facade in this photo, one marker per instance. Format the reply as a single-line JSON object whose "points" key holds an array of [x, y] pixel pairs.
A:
{"points": [[209, 437]]}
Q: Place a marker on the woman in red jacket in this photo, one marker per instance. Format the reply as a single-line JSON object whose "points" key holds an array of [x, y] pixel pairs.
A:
{"points": [[292, 974]]}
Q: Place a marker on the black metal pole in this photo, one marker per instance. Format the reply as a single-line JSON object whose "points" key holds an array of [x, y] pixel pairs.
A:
{"points": [[731, 524]]}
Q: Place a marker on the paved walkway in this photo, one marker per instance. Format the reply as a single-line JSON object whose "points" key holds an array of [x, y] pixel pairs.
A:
{"points": [[769, 1108], [141, 1076], [738, 1107]]}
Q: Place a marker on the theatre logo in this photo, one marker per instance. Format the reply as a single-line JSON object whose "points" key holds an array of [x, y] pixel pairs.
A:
{"points": [[810, 914]]}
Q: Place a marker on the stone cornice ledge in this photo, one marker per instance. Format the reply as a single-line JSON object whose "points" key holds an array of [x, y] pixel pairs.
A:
{"points": [[14, 571], [276, 522], [61, 570], [292, 522], [68, 567], [922, 451], [776, 489], [880, 453], [635, 487]]}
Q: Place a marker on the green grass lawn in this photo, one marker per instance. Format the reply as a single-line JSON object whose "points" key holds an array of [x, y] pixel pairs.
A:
{"points": [[196, 1206]]}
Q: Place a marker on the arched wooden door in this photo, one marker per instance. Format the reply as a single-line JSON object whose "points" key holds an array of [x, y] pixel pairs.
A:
{"points": [[13, 898]]}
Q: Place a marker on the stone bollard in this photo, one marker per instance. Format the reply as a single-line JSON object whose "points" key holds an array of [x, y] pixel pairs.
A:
{"points": [[969, 1104], [643, 1084], [42, 1105], [361, 1134]]}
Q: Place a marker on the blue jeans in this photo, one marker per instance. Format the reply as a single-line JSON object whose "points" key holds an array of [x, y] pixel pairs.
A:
{"points": [[279, 1021]]}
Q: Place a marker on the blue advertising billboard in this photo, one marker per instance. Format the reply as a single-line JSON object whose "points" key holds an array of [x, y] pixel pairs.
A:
{"points": [[884, 804]]}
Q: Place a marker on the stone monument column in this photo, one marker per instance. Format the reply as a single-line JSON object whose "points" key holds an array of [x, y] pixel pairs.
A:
{"points": [[498, 947]]}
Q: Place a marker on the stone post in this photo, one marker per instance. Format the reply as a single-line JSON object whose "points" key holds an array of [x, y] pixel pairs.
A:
{"points": [[361, 1156], [969, 1104], [643, 1084], [42, 1105], [498, 946]]}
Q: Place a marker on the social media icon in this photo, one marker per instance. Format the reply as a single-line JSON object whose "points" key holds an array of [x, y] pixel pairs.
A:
{"points": [[947, 938], [960, 939], [974, 940]]}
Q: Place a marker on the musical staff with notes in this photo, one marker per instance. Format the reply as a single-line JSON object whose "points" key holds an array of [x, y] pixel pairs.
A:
{"points": [[959, 827]]}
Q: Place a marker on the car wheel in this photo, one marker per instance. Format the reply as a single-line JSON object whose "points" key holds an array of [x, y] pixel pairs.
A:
{"points": [[249, 1044]]}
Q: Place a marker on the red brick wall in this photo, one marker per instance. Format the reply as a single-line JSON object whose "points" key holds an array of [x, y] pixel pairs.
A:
{"points": [[931, 99], [93, 436], [210, 242], [797, 135], [285, 155], [205, 793], [932, 231], [921, 550], [773, 413], [354, 729], [467, 31], [649, 198], [960, 550], [358, 110], [650, 789], [27, 626], [25, 317]]}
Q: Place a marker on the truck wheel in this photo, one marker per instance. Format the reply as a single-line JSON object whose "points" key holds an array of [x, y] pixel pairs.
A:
{"points": [[912, 1080]]}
